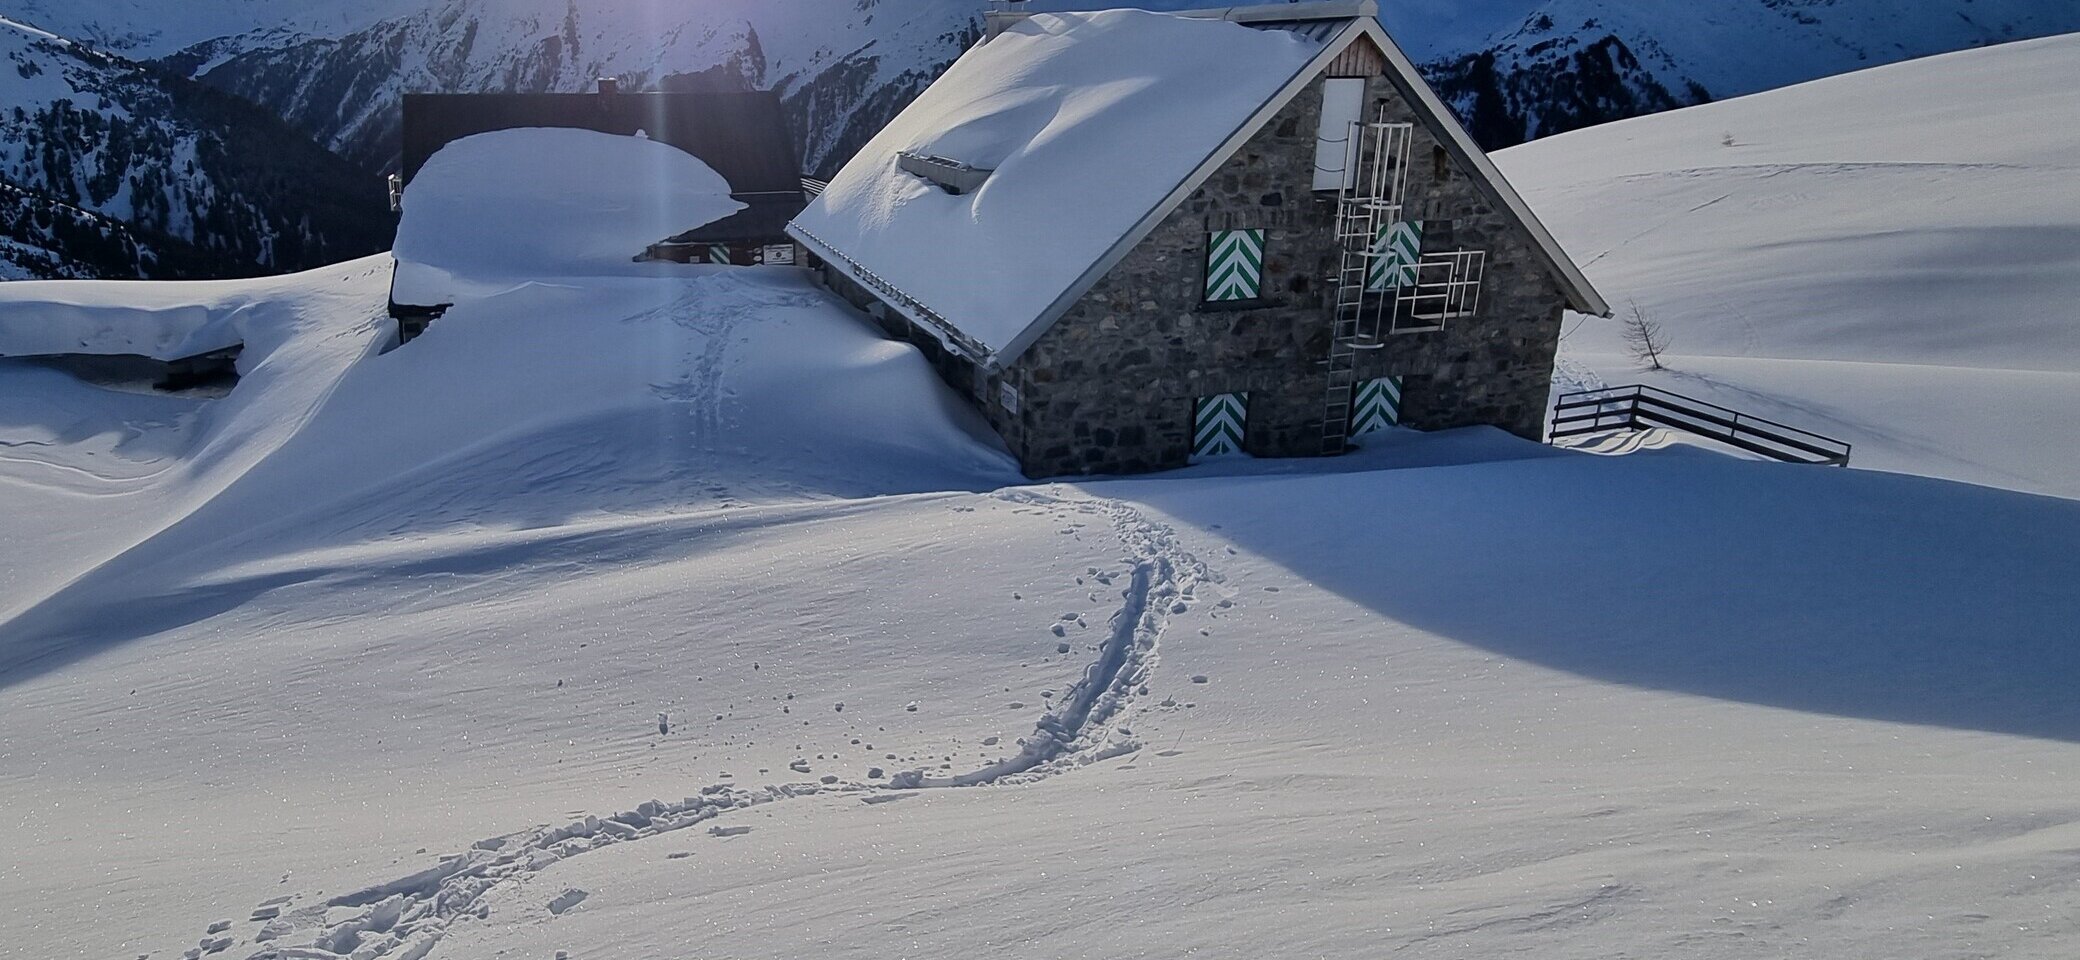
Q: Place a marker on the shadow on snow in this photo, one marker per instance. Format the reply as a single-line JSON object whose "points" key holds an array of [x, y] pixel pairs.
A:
{"points": [[1832, 591]]}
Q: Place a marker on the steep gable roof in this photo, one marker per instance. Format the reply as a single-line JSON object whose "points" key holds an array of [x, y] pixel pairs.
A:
{"points": [[1075, 125], [1069, 137]]}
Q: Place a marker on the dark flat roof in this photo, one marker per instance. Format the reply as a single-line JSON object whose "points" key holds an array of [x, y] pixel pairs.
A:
{"points": [[762, 217]]}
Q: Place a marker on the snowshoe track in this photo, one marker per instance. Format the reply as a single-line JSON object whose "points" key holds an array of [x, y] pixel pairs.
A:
{"points": [[407, 917]]}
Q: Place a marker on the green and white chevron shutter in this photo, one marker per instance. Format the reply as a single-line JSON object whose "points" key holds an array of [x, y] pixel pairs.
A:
{"points": [[1234, 265], [1218, 423], [1375, 405], [1400, 248], [717, 253]]}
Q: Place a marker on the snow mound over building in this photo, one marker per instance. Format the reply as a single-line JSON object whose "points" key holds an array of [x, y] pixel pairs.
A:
{"points": [[38, 326], [1087, 121], [1889, 256], [545, 403], [546, 202]]}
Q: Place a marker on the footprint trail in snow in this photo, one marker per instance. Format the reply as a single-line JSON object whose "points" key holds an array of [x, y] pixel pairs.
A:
{"points": [[407, 917]]}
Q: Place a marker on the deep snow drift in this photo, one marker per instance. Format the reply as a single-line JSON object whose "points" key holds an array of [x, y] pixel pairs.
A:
{"points": [[645, 615], [497, 208], [1891, 257]]}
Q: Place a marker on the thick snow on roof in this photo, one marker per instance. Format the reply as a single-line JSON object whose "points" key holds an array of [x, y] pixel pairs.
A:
{"points": [[541, 202], [46, 324], [1089, 120]]}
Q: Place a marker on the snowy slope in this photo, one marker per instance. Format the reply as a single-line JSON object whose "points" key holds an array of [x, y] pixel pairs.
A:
{"points": [[1880, 256], [358, 660], [619, 613]]}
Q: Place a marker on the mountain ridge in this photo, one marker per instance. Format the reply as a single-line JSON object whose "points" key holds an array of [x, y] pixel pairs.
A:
{"points": [[203, 183], [1514, 70]]}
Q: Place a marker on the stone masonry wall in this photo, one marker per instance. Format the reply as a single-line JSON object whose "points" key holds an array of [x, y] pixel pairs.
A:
{"points": [[1110, 387]]}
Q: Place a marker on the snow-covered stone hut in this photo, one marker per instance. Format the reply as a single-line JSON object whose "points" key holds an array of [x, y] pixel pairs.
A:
{"points": [[1139, 239]]}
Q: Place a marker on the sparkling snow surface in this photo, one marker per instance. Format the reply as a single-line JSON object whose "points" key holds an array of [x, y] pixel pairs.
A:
{"points": [[657, 616], [1089, 121], [1891, 257]]}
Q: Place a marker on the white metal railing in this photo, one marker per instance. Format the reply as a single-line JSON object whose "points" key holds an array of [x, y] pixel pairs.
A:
{"points": [[1448, 286], [1375, 184]]}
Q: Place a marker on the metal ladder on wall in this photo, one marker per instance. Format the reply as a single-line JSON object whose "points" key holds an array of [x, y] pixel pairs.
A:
{"points": [[1374, 183]]}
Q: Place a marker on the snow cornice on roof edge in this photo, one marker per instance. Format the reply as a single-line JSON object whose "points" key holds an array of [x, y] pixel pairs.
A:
{"points": [[1266, 12], [997, 21]]}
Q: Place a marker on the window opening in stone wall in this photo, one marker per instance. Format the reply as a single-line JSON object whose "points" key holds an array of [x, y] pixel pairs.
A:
{"points": [[1440, 164], [1336, 148]]}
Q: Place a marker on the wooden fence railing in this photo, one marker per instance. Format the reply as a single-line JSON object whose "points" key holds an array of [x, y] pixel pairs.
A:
{"points": [[1637, 407]]}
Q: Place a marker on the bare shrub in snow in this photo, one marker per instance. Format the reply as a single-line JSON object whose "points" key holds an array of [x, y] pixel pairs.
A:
{"points": [[1645, 339]]}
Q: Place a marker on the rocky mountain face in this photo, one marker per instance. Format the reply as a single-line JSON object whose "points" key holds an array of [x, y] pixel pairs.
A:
{"points": [[1506, 99], [1575, 63], [842, 68], [115, 168], [169, 142], [45, 239], [845, 66]]}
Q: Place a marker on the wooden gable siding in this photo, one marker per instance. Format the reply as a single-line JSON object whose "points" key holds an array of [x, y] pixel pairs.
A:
{"points": [[1361, 59]]}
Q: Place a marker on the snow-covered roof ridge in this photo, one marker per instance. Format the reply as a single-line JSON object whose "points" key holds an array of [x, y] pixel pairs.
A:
{"points": [[1113, 117], [1102, 112]]}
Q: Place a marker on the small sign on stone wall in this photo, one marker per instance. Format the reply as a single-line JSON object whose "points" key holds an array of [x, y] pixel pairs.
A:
{"points": [[777, 254], [1007, 397]]}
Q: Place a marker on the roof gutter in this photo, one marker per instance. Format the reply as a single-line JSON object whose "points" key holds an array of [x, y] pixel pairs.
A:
{"points": [[902, 303]]}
